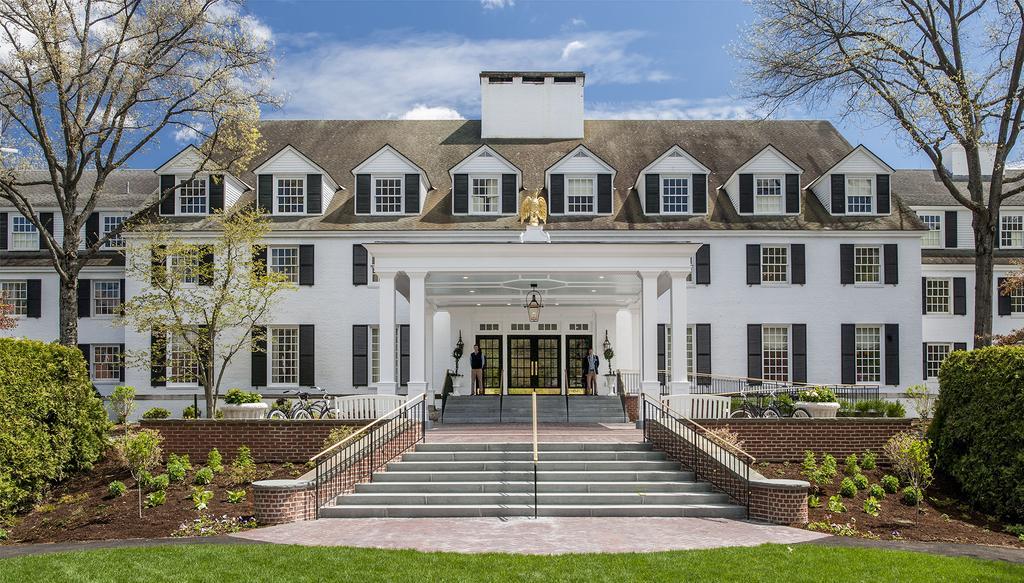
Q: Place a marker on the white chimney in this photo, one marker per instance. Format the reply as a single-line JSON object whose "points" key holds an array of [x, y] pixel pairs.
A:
{"points": [[531, 105], [954, 157]]}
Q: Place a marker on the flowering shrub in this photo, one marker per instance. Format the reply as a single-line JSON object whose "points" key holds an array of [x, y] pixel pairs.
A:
{"points": [[817, 395]]}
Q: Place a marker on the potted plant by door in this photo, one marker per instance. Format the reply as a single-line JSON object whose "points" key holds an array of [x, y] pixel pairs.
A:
{"points": [[609, 377], [818, 402], [457, 356], [243, 405]]}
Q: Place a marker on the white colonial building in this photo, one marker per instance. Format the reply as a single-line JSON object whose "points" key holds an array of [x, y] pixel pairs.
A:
{"points": [[768, 250]]}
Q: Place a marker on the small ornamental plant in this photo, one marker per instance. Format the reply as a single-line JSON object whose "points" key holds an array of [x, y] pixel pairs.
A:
{"points": [[910, 461], [876, 491], [236, 496], [156, 413], [829, 467], [139, 451], [814, 501], [214, 461], [911, 496], [240, 397], [871, 506], [835, 505], [178, 466], [154, 499], [122, 402], [116, 489], [190, 412], [847, 489], [890, 484], [852, 465], [817, 395], [860, 481], [868, 460], [203, 476], [201, 498]]}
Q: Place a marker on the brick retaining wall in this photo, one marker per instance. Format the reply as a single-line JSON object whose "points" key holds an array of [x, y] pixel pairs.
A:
{"points": [[780, 440]]}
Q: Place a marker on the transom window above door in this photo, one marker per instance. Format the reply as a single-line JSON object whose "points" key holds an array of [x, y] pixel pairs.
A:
{"points": [[290, 195], [485, 195], [860, 195], [581, 195], [675, 194], [768, 195], [193, 198], [388, 196]]}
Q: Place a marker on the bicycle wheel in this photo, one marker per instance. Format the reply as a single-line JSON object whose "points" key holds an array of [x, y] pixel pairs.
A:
{"points": [[276, 414], [771, 412], [802, 413], [741, 413], [302, 415]]}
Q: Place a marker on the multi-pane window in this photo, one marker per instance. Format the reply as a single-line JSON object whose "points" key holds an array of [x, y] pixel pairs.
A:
{"points": [[675, 194], [580, 195], [774, 264], [668, 351], [291, 196], [935, 353], [868, 354], [106, 362], [15, 293], [768, 195], [184, 267], [374, 354], [111, 223], [285, 260], [936, 295], [284, 356], [1011, 231], [192, 199], [388, 197], [859, 194], [24, 236], [867, 265], [1017, 301], [182, 365], [485, 197], [106, 298], [933, 238], [775, 353], [691, 351]]}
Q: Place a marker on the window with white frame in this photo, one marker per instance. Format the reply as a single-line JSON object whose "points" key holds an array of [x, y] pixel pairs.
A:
{"points": [[936, 295], [291, 195], [1011, 231], [1017, 301], [184, 267], [192, 197], [388, 195], [374, 354], [775, 353], [691, 351], [580, 195], [768, 195], [110, 223], [15, 293], [675, 194], [935, 353], [867, 263], [106, 362], [774, 264], [284, 356], [485, 197], [182, 364], [860, 191], [868, 354], [520, 327], [933, 238], [106, 297], [24, 235], [668, 351], [284, 260]]}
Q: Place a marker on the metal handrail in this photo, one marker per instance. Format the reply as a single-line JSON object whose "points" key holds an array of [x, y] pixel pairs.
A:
{"points": [[366, 428], [710, 435], [536, 455], [567, 394], [446, 389]]}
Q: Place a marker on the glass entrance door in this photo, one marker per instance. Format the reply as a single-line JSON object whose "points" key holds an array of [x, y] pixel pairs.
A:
{"points": [[490, 346], [534, 362], [575, 349]]}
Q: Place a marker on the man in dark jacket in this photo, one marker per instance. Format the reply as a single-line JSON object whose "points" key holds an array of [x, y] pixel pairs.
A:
{"points": [[590, 366], [477, 362]]}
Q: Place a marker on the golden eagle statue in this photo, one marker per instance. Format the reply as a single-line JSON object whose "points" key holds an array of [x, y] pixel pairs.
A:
{"points": [[533, 208]]}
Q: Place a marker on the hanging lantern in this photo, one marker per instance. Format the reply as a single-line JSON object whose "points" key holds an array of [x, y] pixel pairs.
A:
{"points": [[534, 302]]}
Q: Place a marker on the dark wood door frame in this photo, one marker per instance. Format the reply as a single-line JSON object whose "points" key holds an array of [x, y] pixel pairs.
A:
{"points": [[534, 355]]}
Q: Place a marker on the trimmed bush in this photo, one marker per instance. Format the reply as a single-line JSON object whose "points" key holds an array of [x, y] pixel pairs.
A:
{"points": [[156, 413], [214, 461], [978, 430], [847, 489], [860, 481], [911, 496], [51, 421], [876, 491], [116, 489], [203, 476], [890, 484]]}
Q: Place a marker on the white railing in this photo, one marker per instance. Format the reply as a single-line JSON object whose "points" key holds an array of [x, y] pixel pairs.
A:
{"points": [[698, 406], [365, 407], [630, 381]]}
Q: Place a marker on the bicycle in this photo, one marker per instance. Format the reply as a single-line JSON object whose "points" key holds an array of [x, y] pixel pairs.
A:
{"points": [[774, 410], [304, 409]]}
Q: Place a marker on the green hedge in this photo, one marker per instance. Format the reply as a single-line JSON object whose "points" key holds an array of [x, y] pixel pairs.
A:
{"points": [[51, 421], [978, 430]]}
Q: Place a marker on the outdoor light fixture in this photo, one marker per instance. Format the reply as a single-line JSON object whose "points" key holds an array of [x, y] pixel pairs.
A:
{"points": [[534, 302], [607, 344]]}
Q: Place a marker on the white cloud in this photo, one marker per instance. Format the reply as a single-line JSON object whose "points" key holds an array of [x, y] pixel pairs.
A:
{"points": [[571, 48], [427, 112], [188, 134], [674, 108], [497, 4]]}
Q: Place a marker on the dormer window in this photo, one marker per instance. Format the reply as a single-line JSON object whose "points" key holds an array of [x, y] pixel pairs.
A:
{"points": [[485, 198], [860, 195], [193, 198], [768, 195], [581, 195], [290, 195], [675, 194], [388, 195]]}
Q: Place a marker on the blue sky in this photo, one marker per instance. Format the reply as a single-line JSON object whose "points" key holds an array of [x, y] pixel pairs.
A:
{"points": [[371, 60]]}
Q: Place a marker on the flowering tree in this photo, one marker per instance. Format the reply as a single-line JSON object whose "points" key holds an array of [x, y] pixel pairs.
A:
{"points": [[7, 320], [1014, 282]]}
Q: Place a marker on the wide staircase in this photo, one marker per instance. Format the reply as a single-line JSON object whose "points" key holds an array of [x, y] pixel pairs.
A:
{"points": [[497, 480], [517, 409]]}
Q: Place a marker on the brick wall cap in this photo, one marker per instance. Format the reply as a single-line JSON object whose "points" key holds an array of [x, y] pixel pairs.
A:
{"points": [[781, 484], [215, 422], [801, 421], [281, 484]]}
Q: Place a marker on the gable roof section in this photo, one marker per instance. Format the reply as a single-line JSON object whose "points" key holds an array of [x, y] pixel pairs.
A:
{"points": [[575, 152], [479, 152], [389, 148], [768, 148], [861, 148], [675, 148], [288, 148]]}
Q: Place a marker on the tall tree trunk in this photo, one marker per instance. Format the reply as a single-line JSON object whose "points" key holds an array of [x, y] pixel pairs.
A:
{"points": [[984, 243], [68, 309]]}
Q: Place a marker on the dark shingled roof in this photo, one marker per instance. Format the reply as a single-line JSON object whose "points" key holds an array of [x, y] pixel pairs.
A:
{"points": [[43, 259], [925, 188], [123, 189], [966, 256]]}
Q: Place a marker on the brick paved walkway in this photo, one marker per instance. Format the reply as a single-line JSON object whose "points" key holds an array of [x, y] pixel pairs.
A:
{"points": [[528, 536]]}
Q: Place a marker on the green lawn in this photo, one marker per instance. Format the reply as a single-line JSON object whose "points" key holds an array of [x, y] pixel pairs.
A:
{"points": [[227, 563]]}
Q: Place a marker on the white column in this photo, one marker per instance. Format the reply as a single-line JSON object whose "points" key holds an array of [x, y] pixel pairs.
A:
{"points": [[679, 384], [417, 331], [428, 355], [442, 341], [649, 334], [624, 339], [386, 332]]}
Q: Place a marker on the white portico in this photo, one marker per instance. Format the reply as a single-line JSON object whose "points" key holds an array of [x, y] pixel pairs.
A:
{"points": [[610, 281]]}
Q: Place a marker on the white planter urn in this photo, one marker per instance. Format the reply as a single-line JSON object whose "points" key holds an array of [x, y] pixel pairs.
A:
{"points": [[245, 411], [818, 409], [609, 384], [457, 385]]}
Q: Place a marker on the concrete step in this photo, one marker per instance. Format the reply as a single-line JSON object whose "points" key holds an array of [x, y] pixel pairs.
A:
{"points": [[526, 498], [511, 466], [525, 456], [542, 476], [527, 486], [504, 510], [526, 446]]}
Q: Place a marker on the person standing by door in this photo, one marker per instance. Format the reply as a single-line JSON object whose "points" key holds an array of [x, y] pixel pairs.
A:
{"points": [[590, 366], [477, 362]]}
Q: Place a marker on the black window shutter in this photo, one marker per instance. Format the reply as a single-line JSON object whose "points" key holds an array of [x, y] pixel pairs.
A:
{"points": [[702, 344], [838, 194], [882, 192], [306, 264], [949, 224], [1003, 300], [84, 297], [792, 193], [258, 370], [363, 194], [959, 346], [86, 354], [206, 261], [34, 290], [412, 194], [924, 295], [960, 296], [509, 193], [891, 258], [314, 194], [123, 294], [754, 353], [360, 265], [799, 333], [849, 354], [158, 265], [700, 194], [892, 354], [703, 265], [259, 260], [167, 185], [753, 264], [158, 358], [216, 192], [846, 264], [799, 267], [92, 229], [360, 355], [652, 193], [47, 220], [924, 360], [557, 199], [403, 354], [265, 193], [604, 194], [307, 355], [662, 352], [460, 194], [746, 193], [120, 362], [3, 231]]}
